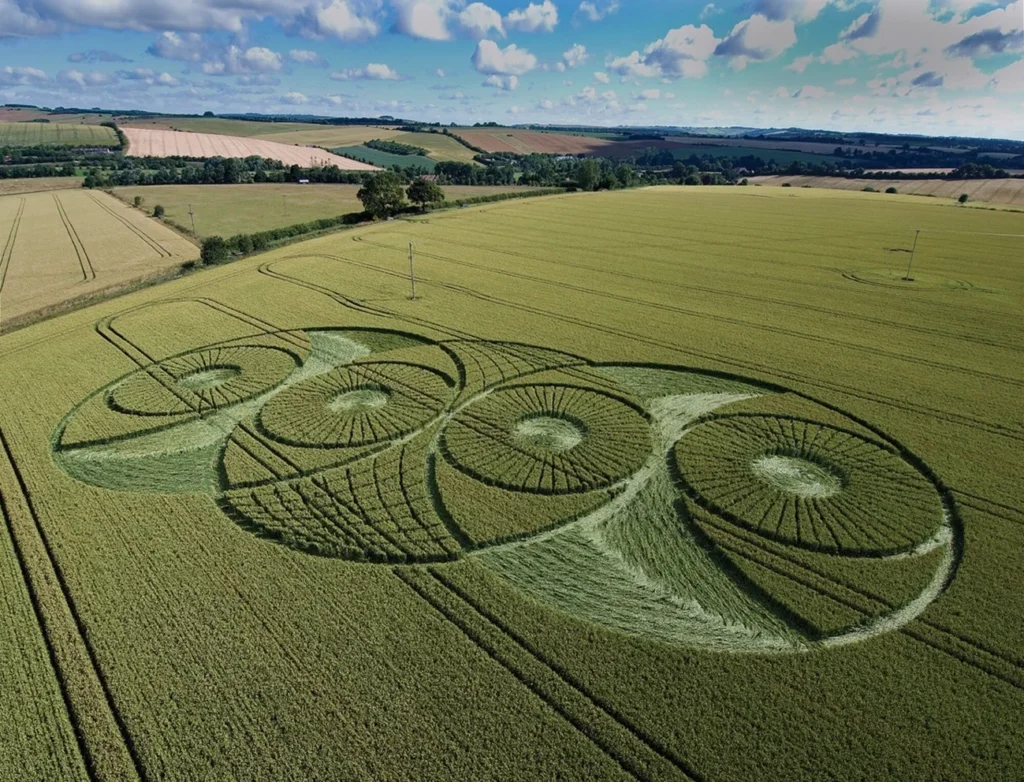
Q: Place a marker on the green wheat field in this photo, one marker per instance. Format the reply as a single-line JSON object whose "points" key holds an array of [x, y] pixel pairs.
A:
{"points": [[669, 484]]}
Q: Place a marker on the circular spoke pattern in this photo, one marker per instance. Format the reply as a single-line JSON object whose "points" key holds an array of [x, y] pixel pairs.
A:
{"points": [[203, 380], [548, 439], [809, 484], [356, 405]]}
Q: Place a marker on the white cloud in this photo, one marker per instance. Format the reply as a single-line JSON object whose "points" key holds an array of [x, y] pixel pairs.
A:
{"points": [[489, 58], [294, 98], [594, 12], [173, 46], [307, 57], [477, 20], [710, 10], [97, 55], [427, 19], [11, 76], [536, 17], [601, 77], [849, 82], [342, 19], [1010, 78], [799, 65], [235, 60], [652, 94], [505, 83], [811, 92], [757, 38], [375, 71], [545, 105], [683, 52], [574, 56], [838, 53], [440, 73], [76, 78], [798, 10], [149, 77]]}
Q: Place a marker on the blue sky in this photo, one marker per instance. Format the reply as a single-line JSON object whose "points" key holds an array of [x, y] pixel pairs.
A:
{"points": [[953, 67]]}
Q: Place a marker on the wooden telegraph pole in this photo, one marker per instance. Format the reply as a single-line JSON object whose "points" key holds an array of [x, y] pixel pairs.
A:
{"points": [[192, 216], [910, 265], [412, 273]]}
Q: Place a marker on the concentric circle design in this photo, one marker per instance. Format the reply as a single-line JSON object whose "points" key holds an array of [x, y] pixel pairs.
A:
{"points": [[808, 484], [356, 405], [601, 439], [203, 380]]}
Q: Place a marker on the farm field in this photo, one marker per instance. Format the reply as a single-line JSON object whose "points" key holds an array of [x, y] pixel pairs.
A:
{"points": [[36, 184], [304, 133], [673, 483], [30, 134], [380, 158], [226, 210], [440, 146], [1005, 192], [62, 245], [167, 143]]}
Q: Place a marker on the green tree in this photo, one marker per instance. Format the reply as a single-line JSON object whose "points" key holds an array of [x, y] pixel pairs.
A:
{"points": [[214, 250], [588, 174], [423, 192], [692, 179], [626, 175], [382, 195], [138, 201], [158, 211], [963, 198], [891, 190]]}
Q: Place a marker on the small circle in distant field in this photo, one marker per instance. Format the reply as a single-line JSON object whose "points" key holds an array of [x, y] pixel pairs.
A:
{"points": [[206, 379], [549, 433], [798, 476], [359, 400]]}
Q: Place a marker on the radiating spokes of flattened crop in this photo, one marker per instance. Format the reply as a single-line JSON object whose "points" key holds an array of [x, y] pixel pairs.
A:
{"points": [[548, 439], [356, 405], [808, 484], [203, 380]]}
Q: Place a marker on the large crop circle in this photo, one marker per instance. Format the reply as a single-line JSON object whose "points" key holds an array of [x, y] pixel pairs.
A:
{"points": [[202, 380], [808, 484], [356, 405], [548, 439]]}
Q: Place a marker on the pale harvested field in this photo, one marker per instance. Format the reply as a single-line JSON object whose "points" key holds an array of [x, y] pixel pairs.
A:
{"points": [[1006, 192], [328, 136], [168, 143], [61, 245]]}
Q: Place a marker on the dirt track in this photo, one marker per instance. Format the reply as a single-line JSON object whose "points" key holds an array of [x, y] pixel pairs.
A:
{"points": [[167, 143]]}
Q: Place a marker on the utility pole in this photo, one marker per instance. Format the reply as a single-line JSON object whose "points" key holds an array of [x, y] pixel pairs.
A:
{"points": [[192, 215], [917, 236], [412, 273]]}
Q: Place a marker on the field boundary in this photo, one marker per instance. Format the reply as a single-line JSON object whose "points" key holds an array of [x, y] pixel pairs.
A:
{"points": [[133, 228], [103, 738]]}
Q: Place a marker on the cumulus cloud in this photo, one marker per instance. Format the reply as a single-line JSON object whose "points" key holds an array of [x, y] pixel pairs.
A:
{"points": [[594, 12], [710, 10], [545, 105], [757, 38], [173, 46], [811, 92], [342, 19], [294, 98], [11, 76], [601, 77], [797, 10], [683, 52], [573, 57], [490, 59], [375, 71], [149, 77], [478, 20], [307, 57], [97, 55], [234, 60], [536, 17], [986, 42], [799, 65], [505, 83], [75, 78], [838, 53]]}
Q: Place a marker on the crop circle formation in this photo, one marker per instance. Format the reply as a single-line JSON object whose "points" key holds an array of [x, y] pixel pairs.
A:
{"points": [[808, 484], [548, 439], [202, 380], [356, 405]]}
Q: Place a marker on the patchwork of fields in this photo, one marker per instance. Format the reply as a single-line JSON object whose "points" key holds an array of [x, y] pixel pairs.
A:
{"points": [[168, 143], [30, 134], [307, 134], [61, 245], [678, 483], [1007, 192]]}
